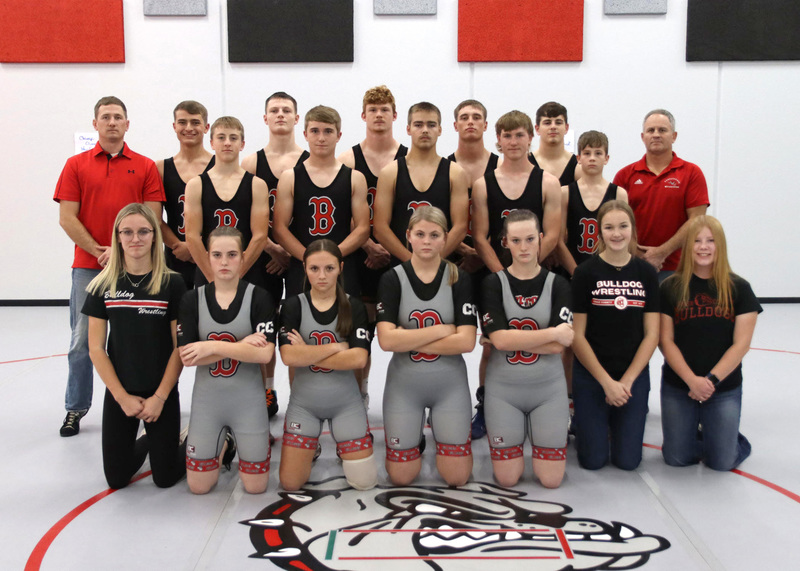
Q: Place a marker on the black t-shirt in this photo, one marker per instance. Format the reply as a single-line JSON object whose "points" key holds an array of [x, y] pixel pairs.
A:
{"points": [[291, 317], [389, 291], [703, 332], [614, 301], [139, 336], [262, 310], [526, 293]]}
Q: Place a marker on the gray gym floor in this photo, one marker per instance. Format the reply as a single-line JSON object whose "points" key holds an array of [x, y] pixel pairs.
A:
{"points": [[59, 514]]}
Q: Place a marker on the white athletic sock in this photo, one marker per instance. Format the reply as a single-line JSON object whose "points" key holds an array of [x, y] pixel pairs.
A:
{"points": [[269, 383]]}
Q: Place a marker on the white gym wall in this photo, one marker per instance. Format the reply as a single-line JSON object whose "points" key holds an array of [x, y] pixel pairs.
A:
{"points": [[739, 121]]}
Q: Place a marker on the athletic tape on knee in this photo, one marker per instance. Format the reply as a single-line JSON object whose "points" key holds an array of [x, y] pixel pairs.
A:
{"points": [[254, 467], [506, 453], [348, 446], [298, 441], [194, 465], [454, 449], [361, 474], [555, 454]]}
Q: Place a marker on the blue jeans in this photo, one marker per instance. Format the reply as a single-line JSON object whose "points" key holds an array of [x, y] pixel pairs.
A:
{"points": [[602, 430], [720, 445], [79, 382]]}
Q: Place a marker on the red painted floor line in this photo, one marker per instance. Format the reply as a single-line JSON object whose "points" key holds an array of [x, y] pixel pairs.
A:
{"points": [[775, 350], [38, 553], [32, 359], [442, 530], [762, 481]]}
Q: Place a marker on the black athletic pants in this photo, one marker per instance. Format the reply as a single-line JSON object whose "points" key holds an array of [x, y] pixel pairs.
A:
{"points": [[123, 454]]}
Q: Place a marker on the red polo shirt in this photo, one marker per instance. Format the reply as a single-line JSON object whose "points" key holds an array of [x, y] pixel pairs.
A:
{"points": [[660, 201], [102, 186]]}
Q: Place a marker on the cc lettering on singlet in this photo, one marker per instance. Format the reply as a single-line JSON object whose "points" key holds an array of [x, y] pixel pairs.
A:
{"points": [[588, 238], [522, 357], [322, 217], [362, 333], [226, 217], [469, 309], [414, 204], [181, 206], [224, 367], [265, 327], [321, 338], [565, 315], [424, 318]]}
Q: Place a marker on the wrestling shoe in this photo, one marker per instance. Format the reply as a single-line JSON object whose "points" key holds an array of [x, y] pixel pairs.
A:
{"points": [[272, 402], [227, 458], [72, 423], [478, 421]]}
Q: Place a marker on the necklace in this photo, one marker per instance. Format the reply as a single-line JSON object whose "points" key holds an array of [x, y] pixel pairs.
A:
{"points": [[135, 284]]}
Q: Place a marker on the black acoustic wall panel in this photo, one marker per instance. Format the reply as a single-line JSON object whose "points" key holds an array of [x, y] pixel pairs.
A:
{"points": [[743, 30], [290, 30]]}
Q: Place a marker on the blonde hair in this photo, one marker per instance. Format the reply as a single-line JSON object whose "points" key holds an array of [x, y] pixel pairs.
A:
{"points": [[434, 215], [610, 206], [106, 280], [721, 280]]}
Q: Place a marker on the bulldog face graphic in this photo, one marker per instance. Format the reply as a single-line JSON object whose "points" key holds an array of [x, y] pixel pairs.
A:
{"points": [[328, 526]]}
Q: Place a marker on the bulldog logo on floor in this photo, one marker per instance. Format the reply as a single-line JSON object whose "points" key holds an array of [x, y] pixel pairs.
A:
{"points": [[328, 526]]}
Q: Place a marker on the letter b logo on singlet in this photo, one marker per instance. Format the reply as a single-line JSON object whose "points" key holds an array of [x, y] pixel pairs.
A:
{"points": [[226, 217], [588, 239], [522, 357], [414, 204], [371, 203], [322, 216], [424, 319], [181, 205], [273, 196], [322, 338], [225, 367]]}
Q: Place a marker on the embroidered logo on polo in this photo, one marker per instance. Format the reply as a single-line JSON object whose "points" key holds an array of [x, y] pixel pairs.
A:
{"points": [[672, 182], [328, 525]]}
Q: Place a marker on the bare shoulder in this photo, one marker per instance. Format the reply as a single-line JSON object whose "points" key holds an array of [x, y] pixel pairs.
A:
{"points": [[348, 158]]}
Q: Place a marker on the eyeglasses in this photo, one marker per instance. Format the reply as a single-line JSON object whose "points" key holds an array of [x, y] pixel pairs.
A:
{"points": [[142, 233]]}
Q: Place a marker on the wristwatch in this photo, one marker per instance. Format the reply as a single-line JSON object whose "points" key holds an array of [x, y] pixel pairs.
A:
{"points": [[713, 378]]}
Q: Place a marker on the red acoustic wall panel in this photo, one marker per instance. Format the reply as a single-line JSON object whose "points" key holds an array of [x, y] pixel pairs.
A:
{"points": [[520, 30], [61, 31]]}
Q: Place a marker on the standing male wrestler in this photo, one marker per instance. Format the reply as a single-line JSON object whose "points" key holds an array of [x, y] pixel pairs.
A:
{"points": [[93, 187], [515, 184], [321, 198], [664, 191], [280, 154], [443, 183], [378, 149], [190, 122], [551, 156], [227, 195]]}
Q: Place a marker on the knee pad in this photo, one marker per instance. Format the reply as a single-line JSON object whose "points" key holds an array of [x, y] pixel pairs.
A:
{"points": [[361, 474]]}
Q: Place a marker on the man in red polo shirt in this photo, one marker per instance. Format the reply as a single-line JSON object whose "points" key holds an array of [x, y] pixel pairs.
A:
{"points": [[92, 188], [664, 192]]}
